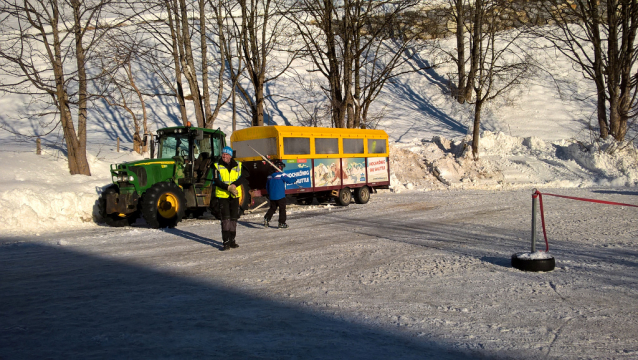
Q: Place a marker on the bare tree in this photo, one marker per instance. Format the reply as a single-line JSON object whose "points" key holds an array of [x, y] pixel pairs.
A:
{"points": [[175, 56], [464, 16], [118, 86], [599, 37], [45, 51], [232, 61], [264, 31], [356, 45], [499, 62]]}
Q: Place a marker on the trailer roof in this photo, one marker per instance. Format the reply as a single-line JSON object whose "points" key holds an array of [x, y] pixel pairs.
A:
{"points": [[260, 132]]}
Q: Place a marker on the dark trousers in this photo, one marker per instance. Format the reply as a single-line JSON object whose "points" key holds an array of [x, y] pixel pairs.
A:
{"points": [[229, 209], [281, 203]]}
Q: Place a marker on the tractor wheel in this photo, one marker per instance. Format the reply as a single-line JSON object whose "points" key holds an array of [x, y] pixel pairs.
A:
{"points": [[115, 219], [344, 197], [163, 205], [362, 195]]}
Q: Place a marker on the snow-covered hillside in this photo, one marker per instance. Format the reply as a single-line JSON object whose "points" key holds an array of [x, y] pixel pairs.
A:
{"points": [[535, 136]]}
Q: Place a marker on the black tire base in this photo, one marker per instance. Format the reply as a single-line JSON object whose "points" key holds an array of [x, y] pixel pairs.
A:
{"points": [[533, 264]]}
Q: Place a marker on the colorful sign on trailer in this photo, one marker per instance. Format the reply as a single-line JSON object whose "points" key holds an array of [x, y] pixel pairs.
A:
{"points": [[299, 170], [377, 169]]}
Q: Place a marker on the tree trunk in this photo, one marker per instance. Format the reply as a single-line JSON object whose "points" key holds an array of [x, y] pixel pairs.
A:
{"points": [[460, 51], [476, 43], [208, 114], [258, 114], [174, 27], [476, 128], [188, 65], [79, 151]]}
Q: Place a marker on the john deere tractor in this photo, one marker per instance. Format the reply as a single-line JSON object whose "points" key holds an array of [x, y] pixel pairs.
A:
{"points": [[167, 187]]}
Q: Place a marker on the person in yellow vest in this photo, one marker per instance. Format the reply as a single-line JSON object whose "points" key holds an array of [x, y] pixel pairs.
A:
{"points": [[229, 175]]}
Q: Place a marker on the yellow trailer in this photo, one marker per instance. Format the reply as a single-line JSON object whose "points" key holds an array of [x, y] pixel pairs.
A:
{"points": [[326, 162]]}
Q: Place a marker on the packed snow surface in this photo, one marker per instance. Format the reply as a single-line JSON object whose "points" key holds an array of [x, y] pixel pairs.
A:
{"points": [[422, 271]]}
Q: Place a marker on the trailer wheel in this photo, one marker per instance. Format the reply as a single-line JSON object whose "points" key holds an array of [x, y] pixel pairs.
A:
{"points": [[344, 197], [115, 219], [533, 264], [163, 205], [362, 195]]}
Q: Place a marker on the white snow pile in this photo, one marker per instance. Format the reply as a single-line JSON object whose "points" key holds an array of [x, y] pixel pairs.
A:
{"points": [[507, 162], [37, 193]]}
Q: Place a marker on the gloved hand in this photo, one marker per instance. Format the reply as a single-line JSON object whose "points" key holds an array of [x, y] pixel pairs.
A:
{"points": [[233, 189]]}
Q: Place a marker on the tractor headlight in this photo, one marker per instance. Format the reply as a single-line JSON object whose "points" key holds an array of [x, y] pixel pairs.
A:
{"points": [[131, 178]]}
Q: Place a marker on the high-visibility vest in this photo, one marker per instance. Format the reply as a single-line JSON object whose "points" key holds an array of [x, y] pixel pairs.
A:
{"points": [[227, 177]]}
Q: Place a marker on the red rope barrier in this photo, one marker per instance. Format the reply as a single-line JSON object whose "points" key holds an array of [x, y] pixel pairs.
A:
{"points": [[540, 200], [590, 200]]}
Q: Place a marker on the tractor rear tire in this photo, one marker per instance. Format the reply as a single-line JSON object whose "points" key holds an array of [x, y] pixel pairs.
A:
{"points": [[115, 219], [163, 205], [362, 195], [345, 195]]}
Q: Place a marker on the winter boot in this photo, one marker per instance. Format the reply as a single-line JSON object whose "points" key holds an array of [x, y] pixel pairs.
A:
{"points": [[265, 222], [226, 240], [282, 226], [231, 240]]}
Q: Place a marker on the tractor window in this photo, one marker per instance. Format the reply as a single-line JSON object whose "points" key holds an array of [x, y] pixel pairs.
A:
{"points": [[173, 145], [217, 146], [203, 146]]}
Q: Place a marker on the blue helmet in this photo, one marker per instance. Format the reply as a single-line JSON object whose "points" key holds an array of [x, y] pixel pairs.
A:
{"points": [[227, 150]]}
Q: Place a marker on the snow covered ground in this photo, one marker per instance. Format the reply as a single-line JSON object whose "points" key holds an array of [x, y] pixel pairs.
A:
{"points": [[421, 271], [412, 275]]}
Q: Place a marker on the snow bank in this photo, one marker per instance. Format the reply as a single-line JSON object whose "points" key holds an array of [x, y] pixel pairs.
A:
{"points": [[514, 162], [38, 194]]}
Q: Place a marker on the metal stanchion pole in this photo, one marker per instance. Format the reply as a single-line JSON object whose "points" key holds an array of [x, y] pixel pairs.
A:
{"points": [[534, 196]]}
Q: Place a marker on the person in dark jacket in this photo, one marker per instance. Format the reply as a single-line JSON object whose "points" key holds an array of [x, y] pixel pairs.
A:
{"points": [[229, 175], [275, 185]]}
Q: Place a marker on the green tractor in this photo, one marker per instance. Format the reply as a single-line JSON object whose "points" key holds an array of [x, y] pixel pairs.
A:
{"points": [[176, 183]]}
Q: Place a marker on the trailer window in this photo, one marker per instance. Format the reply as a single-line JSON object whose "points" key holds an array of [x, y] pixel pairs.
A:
{"points": [[353, 146], [296, 146], [326, 146], [266, 146], [376, 146]]}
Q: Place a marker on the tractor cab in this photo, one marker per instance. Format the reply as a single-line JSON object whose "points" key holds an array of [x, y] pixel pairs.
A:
{"points": [[176, 181]]}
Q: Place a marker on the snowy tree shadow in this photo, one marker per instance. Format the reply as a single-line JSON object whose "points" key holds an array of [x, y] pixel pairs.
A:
{"points": [[65, 303], [197, 238]]}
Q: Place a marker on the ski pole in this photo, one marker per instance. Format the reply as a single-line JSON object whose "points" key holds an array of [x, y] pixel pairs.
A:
{"points": [[271, 164]]}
